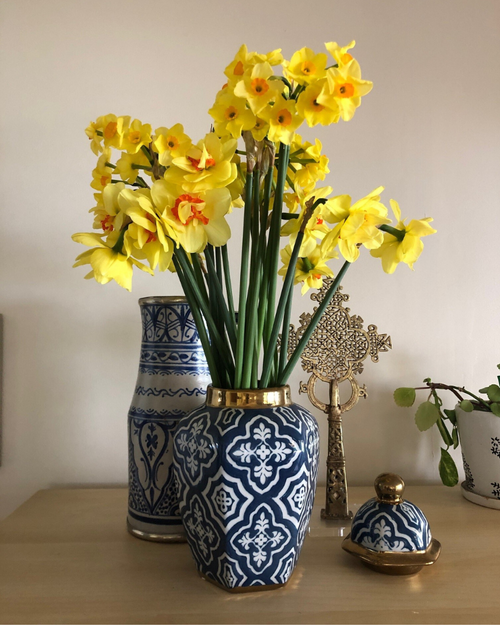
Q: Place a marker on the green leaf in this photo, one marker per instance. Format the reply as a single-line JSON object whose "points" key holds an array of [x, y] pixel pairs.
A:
{"points": [[466, 405], [404, 397], [454, 436], [448, 469], [451, 415], [426, 416], [427, 380], [483, 390], [493, 392], [495, 409]]}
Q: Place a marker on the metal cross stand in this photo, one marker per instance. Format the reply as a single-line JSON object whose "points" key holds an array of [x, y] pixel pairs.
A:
{"points": [[334, 354]]}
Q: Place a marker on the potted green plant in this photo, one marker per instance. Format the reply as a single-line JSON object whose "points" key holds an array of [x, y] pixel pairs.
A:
{"points": [[474, 425]]}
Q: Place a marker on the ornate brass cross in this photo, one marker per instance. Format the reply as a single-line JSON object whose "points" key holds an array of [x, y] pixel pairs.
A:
{"points": [[334, 354]]}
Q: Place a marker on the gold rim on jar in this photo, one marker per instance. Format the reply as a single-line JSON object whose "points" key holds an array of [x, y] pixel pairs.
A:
{"points": [[248, 398]]}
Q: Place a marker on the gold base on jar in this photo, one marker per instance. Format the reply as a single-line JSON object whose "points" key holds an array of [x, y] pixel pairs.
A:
{"points": [[394, 562]]}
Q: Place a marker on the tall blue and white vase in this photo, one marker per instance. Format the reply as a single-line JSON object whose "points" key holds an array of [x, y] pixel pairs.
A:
{"points": [[247, 463], [172, 381]]}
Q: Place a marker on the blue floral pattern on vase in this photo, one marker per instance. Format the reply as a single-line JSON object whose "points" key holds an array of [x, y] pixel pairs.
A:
{"points": [[385, 527], [247, 483], [172, 380]]}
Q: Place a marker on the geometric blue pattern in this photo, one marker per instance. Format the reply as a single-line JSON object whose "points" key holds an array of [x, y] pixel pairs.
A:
{"points": [[386, 527], [172, 380], [247, 481]]}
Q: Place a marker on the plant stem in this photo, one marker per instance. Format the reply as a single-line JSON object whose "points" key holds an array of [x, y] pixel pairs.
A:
{"points": [[227, 280], [399, 234], [200, 325], [312, 325], [219, 294], [240, 343], [285, 332]]}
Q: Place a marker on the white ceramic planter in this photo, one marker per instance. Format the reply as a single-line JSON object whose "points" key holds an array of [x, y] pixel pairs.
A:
{"points": [[480, 441]]}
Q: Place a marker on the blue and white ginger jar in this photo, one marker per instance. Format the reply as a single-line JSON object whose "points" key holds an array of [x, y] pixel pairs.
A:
{"points": [[387, 523], [172, 380], [247, 463]]}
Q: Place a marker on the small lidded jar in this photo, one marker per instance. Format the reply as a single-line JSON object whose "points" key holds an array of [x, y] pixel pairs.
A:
{"points": [[390, 534]]}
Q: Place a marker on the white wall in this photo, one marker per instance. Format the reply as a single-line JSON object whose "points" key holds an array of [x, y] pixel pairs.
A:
{"points": [[429, 131]]}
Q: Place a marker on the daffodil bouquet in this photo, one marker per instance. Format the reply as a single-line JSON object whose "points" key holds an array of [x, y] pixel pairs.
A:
{"points": [[166, 200]]}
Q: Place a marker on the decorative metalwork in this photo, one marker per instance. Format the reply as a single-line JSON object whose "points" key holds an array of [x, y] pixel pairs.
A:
{"points": [[334, 354]]}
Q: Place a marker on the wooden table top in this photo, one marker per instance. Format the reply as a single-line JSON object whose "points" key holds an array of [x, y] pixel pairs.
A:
{"points": [[66, 557]]}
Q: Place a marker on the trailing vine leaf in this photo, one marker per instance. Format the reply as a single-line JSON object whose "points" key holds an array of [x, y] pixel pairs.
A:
{"points": [[443, 430], [448, 469], [466, 405], [495, 409], [451, 415], [493, 392], [454, 436], [404, 397], [426, 416]]}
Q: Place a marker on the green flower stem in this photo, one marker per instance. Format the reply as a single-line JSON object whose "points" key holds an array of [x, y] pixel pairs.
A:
{"points": [[312, 325], [399, 234], [108, 164], [287, 216], [264, 288], [199, 276], [147, 152], [135, 166], [200, 325], [218, 343], [245, 246], [273, 246], [222, 306], [227, 280], [285, 332], [132, 184], [251, 323]]}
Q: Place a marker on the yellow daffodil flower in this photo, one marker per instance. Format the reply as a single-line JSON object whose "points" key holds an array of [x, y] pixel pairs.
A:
{"points": [[94, 133], [258, 88], [312, 111], [306, 66], [283, 120], [310, 269], [147, 237], [171, 143], [125, 166], [196, 218], [113, 128], [260, 130], [394, 251], [107, 214], [106, 262], [340, 54], [135, 136], [207, 165], [316, 228], [231, 115], [344, 88], [101, 175], [244, 62], [308, 174], [356, 225]]}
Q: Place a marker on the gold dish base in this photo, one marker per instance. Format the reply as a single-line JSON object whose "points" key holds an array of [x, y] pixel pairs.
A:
{"points": [[391, 562], [242, 589], [156, 538]]}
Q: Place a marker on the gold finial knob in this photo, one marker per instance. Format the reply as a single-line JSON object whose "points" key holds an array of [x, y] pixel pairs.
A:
{"points": [[389, 488]]}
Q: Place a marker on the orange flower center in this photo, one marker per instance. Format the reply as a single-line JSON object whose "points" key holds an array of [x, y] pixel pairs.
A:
{"points": [[152, 237], [110, 130], [106, 225], [259, 123], [345, 90], [231, 113], [259, 86], [105, 179], [319, 222], [284, 118], [195, 162], [317, 276], [195, 212], [317, 105], [172, 142], [308, 68], [238, 69], [345, 58], [134, 137]]}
